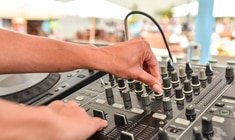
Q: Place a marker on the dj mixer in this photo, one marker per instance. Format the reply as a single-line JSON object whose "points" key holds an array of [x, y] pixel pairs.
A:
{"points": [[197, 103]]}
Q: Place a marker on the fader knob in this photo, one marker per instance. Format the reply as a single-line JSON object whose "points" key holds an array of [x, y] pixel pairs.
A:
{"points": [[209, 73], [196, 134], [190, 113], [109, 95], [162, 135], [229, 74], [170, 67], [120, 119], [188, 70], [207, 127]]}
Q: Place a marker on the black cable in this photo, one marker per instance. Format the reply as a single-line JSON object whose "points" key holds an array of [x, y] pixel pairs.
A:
{"points": [[154, 21]]}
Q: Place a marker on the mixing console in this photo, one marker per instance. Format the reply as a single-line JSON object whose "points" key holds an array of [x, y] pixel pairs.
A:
{"points": [[197, 103]]}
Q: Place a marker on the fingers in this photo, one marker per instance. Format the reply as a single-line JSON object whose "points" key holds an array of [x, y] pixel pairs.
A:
{"points": [[100, 123]]}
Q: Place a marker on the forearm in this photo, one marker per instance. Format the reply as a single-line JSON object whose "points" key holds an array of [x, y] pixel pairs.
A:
{"points": [[25, 123], [25, 53]]}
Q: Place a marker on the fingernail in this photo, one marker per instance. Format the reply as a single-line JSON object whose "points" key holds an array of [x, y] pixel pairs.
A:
{"points": [[157, 88]]}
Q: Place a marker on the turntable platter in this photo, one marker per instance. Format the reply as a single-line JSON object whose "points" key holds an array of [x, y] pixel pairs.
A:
{"points": [[16, 82], [23, 87]]}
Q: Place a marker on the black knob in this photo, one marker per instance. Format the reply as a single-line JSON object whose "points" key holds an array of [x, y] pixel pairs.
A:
{"points": [[109, 95], [209, 70], [188, 70], [195, 84], [162, 135], [209, 73], [167, 106], [196, 134], [188, 91], [131, 84], [127, 135], [138, 88], [190, 113], [179, 96], [207, 127], [170, 67], [121, 83], [166, 86], [229, 74]]}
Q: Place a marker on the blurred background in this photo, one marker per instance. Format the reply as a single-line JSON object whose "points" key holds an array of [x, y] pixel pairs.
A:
{"points": [[196, 30]]}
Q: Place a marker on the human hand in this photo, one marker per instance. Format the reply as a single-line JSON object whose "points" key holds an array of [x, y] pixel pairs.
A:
{"points": [[134, 59], [73, 121]]}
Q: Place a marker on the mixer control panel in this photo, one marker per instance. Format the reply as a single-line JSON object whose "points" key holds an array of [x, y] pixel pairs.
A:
{"points": [[197, 103]]}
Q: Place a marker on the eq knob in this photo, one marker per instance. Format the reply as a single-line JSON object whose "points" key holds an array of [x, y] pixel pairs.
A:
{"points": [[202, 78], [126, 99], [207, 127], [138, 88], [182, 74], [188, 91], [163, 71]]}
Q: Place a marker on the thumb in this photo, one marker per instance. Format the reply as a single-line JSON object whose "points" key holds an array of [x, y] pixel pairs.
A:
{"points": [[100, 123]]}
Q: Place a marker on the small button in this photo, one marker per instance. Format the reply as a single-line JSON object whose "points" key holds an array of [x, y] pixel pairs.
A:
{"points": [[159, 116], [116, 105], [81, 75], [79, 98], [219, 104], [218, 119], [100, 101], [224, 112], [137, 110], [182, 121]]}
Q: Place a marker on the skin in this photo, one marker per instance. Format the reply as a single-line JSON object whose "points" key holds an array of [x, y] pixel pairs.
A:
{"points": [[22, 53]]}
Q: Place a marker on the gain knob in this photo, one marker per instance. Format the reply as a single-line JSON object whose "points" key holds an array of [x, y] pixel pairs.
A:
{"points": [[188, 91], [166, 86], [170, 67], [174, 79], [138, 88], [195, 84], [196, 134], [202, 78]]}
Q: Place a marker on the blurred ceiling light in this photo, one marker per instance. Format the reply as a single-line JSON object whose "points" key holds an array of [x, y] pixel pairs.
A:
{"points": [[96, 9], [185, 9], [31, 9]]}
